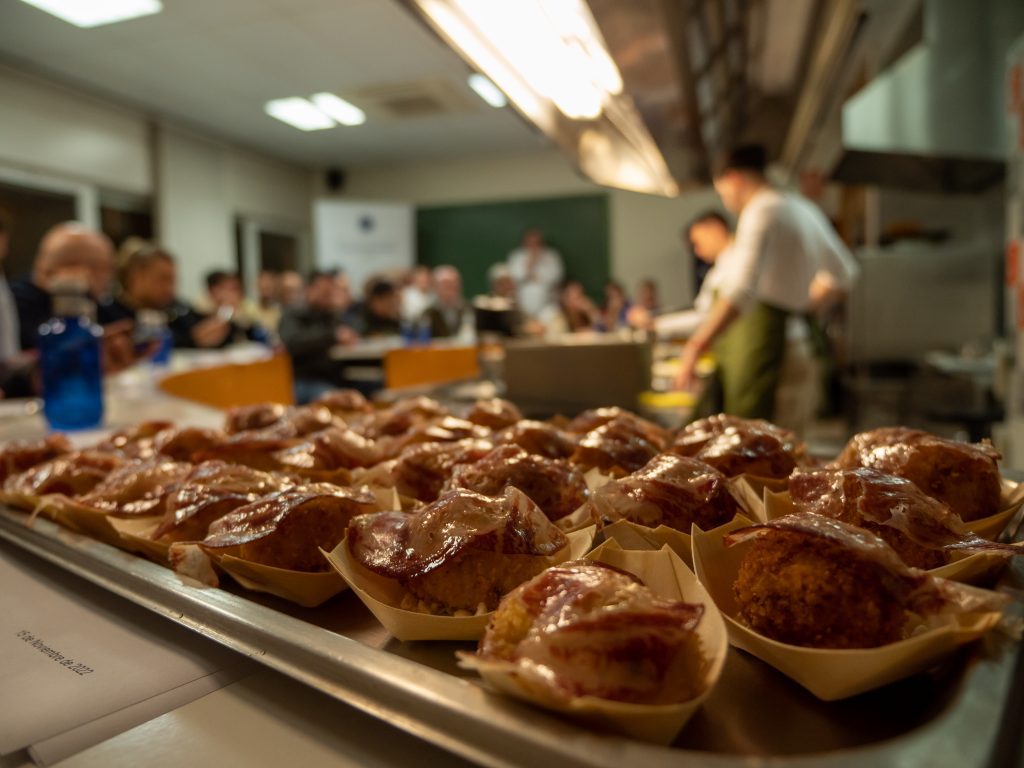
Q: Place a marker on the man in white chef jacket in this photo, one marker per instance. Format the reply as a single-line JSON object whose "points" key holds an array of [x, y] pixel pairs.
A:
{"points": [[785, 259], [537, 271], [709, 236]]}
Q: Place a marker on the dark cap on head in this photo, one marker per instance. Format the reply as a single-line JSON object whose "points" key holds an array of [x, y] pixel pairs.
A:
{"points": [[744, 157]]}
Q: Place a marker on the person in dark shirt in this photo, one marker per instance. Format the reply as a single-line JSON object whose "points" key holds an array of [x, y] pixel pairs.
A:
{"points": [[149, 281], [69, 249], [448, 312], [382, 309], [309, 331]]}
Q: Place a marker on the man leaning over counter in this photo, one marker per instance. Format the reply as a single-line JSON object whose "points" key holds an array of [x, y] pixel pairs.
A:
{"points": [[784, 260]]}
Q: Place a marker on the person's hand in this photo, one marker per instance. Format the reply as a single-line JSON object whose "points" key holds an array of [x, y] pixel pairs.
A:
{"points": [[210, 332], [824, 294], [118, 349], [687, 374], [640, 318], [346, 336]]}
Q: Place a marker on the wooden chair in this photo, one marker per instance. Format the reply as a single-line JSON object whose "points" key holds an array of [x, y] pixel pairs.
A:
{"points": [[417, 366], [234, 384]]}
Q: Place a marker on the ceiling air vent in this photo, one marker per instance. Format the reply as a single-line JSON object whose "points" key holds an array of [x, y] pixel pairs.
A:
{"points": [[403, 101]]}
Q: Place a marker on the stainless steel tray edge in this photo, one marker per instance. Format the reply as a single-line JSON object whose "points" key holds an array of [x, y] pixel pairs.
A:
{"points": [[462, 717]]}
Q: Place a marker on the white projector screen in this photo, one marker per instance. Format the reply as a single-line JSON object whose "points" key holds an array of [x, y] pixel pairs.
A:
{"points": [[363, 239]]}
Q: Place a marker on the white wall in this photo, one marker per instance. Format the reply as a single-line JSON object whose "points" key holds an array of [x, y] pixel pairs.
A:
{"points": [[48, 128], [193, 215], [644, 236], [198, 185], [202, 185], [646, 240]]}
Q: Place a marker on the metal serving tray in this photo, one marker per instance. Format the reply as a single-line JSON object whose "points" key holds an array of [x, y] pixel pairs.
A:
{"points": [[965, 712]]}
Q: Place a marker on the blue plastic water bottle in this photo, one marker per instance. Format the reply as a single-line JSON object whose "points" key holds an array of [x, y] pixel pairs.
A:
{"points": [[150, 327], [70, 360], [423, 332]]}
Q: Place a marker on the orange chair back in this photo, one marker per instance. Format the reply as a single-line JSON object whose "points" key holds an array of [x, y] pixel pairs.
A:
{"points": [[227, 386], [417, 366]]}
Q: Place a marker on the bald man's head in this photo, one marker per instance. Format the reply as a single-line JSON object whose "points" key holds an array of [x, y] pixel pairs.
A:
{"points": [[72, 249], [448, 286]]}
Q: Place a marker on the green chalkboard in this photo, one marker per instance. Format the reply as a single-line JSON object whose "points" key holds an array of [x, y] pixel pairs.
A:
{"points": [[473, 237]]}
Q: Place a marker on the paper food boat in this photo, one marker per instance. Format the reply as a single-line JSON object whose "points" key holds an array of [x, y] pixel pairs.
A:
{"points": [[384, 596], [827, 673], [665, 573]]}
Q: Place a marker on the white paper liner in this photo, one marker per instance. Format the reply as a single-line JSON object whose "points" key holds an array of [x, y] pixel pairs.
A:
{"points": [[750, 492], [630, 535], [827, 673], [1011, 498], [308, 589], [137, 536], [383, 596], [52, 506], [665, 573]]}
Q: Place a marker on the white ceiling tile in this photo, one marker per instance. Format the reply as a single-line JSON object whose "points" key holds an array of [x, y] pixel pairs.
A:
{"points": [[213, 63]]}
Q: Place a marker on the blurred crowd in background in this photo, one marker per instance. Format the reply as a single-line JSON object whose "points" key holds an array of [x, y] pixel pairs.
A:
{"points": [[136, 285]]}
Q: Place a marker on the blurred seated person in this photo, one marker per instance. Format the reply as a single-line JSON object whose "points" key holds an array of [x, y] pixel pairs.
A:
{"points": [[614, 313], [66, 250], [496, 313], [149, 279], [418, 294], [266, 310], [499, 278], [647, 296], [575, 312], [310, 330], [291, 290], [225, 298], [14, 375], [449, 314], [381, 310]]}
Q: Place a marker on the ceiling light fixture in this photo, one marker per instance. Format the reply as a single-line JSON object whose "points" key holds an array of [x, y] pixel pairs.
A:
{"points": [[551, 62], [95, 13], [487, 90], [299, 113], [339, 109], [551, 50]]}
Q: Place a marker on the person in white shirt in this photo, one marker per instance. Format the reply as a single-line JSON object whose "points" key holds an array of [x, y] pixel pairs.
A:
{"points": [[785, 257], [710, 238], [417, 294], [538, 271]]}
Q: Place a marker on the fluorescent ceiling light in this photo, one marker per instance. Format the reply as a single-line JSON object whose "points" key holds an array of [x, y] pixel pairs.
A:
{"points": [[339, 109], [298, 113], [94, 13], [551, 49], [487, 90]]}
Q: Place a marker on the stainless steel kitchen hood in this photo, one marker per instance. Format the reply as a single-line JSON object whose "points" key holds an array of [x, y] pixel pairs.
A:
{"points": [[934, 120]]}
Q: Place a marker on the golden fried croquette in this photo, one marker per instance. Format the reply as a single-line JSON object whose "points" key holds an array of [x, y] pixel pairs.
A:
{"points": [[809, 591]]}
